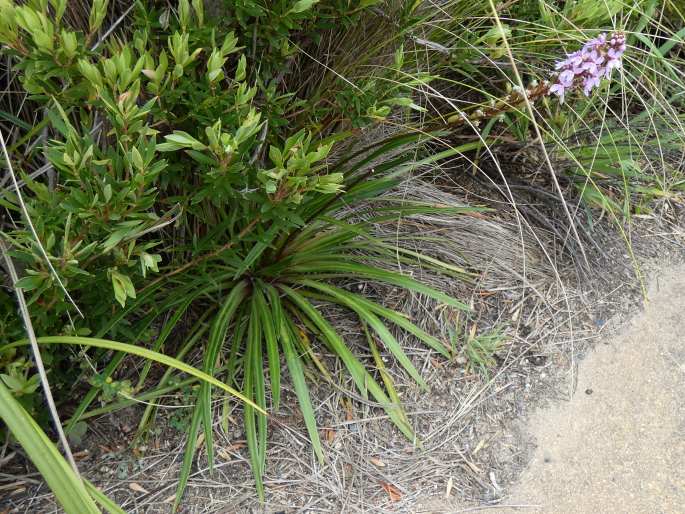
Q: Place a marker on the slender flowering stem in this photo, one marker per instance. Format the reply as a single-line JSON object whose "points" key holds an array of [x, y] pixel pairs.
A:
{"points": [[495, 108], [582, 69]]}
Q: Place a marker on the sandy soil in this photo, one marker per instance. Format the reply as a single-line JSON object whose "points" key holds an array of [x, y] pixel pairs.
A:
{"points": [[618, 446]]}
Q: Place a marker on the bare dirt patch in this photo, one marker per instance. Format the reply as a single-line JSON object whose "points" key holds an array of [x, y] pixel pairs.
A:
{"points": [[619, 445]]}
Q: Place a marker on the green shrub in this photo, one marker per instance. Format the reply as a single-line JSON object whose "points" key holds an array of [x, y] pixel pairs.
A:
{"points": [[182, 175]]}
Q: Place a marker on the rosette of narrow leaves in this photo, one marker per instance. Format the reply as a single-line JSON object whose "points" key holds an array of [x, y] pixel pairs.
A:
{"points": [[281, 307], [270, 288]]}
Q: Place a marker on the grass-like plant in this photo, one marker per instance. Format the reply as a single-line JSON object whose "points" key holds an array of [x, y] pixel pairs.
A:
{"points": [[72, 493]]}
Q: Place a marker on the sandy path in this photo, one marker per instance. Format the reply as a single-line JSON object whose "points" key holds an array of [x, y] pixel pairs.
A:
{"points": [[619, 445]]}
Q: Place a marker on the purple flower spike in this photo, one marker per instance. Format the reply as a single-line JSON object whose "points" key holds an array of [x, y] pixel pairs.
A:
{"points": [[586, 68]]}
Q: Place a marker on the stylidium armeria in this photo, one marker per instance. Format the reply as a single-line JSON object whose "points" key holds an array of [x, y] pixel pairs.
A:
{"points": [[588, 66], [584, 69]]}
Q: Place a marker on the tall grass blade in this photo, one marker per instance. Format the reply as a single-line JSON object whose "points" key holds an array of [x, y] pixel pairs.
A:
{"points": [[363, 380], [294, 363], [188, 454], [397, 318], [345, 269], [141, 352], [351, 301], [217, 336], [270, 320], [253, 390], [68, 488]]}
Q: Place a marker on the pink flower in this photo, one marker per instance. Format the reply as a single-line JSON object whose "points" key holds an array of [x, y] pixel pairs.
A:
{"points": [[566, 78], [587, 67], [558, 90], [589, 83]]}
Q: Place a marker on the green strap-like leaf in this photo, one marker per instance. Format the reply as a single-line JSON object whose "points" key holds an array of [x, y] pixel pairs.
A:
{"points": [[197, 331], [163, 335], [383, 371], [68, 488], [217, 335], [140, 352], [251, 389], [188, 454], [347, 269], [352, 302], [103, 500], [363, 380], [270, 320], [109, 370], [396, 317], [258, 249], [295, 367]]}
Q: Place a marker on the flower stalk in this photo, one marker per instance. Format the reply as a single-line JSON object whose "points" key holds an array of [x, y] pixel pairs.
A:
{"points": [[583, 69]]}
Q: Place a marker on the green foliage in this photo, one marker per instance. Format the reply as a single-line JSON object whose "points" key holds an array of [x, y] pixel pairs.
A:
{"points": [[477, 350], [21, 382], [208, 200], [182, 126], [72, 493]]}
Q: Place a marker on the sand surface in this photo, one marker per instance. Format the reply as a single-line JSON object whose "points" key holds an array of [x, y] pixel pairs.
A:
{"points": [[618, 446]]}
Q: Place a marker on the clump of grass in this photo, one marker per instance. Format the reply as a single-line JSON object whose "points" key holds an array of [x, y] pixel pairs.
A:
{"points": [[480, 349], [476, 349]]}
